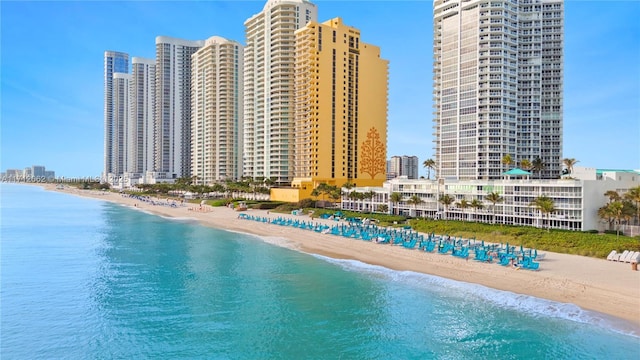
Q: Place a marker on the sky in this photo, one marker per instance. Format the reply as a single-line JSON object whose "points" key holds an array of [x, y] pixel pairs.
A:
{"points": [[52, 72]]}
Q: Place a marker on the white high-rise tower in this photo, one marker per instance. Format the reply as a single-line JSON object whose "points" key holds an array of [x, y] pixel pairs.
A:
{"points": [[173, 106], [216, 111], [114, 62], [269, 59], [498, 80]]}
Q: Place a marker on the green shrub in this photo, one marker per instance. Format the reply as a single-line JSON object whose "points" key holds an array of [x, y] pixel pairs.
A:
{"points": [[305, 203], [287, 207], [266, 205], [219, 202]]}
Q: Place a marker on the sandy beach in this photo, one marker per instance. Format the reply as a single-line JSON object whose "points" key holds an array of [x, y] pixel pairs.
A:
{"points": [[608, 287]]}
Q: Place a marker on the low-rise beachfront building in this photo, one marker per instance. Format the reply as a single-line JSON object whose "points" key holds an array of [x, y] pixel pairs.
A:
{"points": [[576, 199]]}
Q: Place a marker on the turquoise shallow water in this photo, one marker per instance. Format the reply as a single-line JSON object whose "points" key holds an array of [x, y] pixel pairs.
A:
{"points": [[86, 279]]}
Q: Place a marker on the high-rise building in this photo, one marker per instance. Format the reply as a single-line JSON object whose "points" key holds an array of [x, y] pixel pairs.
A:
{"points": [[173, 106], [141, 121], [114, 62], [268, 88], [341, 91], [540, 83], [38, 170], [120, 118], [498, 69], [403, 166], [216, 111]]}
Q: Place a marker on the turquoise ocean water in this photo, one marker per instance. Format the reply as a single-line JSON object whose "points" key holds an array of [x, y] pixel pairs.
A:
{"points": [[86, 279]]}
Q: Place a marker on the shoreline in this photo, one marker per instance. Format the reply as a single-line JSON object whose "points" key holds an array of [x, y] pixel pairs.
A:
{"points": [[598, 285]]}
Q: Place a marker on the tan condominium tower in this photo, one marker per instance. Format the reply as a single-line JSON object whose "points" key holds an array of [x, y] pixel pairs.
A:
{"points": [[121, 120], [216, 111], [341, 93], [268, 88], [498, 87]]}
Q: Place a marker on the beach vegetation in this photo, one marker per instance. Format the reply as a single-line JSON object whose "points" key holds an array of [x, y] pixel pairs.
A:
{"points": [[620, 209], [429, 164], [446, 200], [395, 198], [507, 160], [537, 165], [633, 195], [569, 163], [493, 198], [265, 205], [545, 205]]}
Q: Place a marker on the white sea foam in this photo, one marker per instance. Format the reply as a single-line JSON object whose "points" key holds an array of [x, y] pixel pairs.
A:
{"points": [[273, 240], [526, 304], [180, 219]]}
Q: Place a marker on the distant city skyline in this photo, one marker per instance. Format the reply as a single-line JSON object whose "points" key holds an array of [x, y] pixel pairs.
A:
{"points": [[29, 173], [52, 106]]}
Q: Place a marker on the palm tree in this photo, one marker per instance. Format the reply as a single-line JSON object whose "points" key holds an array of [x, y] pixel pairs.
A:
{"points": [[415, 200], [477, 205], [348, 185], [569, 162], [354, 195], [507, 160], [429, 164], [321, 190], [335, 194], [370, 195], [612, 195], [494, 198], [606, 214], [382, 208], [182, 183], [634, 195], [615, 209], [395, 198], [218, 188], [538, 165], [525, 164], [545, 205], [463, 204], [446, 200]]}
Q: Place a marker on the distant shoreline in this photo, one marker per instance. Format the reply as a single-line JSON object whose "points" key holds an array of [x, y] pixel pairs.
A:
{"points": [[610, 288]]}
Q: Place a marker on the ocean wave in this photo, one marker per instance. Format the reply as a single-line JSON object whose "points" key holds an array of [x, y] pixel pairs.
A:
{"points": [[526, 304]]}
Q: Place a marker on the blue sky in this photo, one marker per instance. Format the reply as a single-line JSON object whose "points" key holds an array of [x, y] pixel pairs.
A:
{"points": [[51, 77]]}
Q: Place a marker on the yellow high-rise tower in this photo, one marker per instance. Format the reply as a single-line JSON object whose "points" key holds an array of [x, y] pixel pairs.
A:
{"points": [[341, 91]]}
